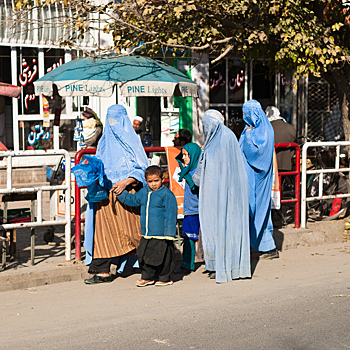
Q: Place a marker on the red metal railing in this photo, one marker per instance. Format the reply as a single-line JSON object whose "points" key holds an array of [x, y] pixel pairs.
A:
{"points": [[295, 173], [78, 219]]}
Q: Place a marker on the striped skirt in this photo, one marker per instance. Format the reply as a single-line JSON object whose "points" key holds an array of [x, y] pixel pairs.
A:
{"points": [[117, 229]]}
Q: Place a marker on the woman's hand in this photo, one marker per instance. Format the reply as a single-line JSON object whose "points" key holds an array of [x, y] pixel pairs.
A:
{"points": [[120, 186]]}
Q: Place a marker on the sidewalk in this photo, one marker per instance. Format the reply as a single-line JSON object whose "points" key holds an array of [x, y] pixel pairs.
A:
{"points": [[50, 265]]}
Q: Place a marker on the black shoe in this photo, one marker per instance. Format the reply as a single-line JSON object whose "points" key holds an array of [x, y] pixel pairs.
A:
{"points": [[97, 279], [212, 275], [272, 254]]}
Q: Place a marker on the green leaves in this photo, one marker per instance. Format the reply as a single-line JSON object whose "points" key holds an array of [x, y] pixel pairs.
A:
{"points": [[288, 34]]}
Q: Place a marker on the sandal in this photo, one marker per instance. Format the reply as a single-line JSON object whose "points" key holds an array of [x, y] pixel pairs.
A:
{"points": [[169, 283], [144, 283]]}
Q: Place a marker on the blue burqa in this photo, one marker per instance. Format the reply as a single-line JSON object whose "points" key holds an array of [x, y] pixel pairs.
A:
{"points": [[123, 156], [223, 201], [257, 145]]}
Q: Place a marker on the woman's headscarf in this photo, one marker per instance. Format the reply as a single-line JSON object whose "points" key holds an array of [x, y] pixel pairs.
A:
{"points": [[223, 201], [257, 139], [272, 114], [120, 148], [195, 152]]}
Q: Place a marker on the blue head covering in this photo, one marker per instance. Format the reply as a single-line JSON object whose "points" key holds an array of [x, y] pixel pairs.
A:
{"points": [[223, 201], [120, 148], [194, 151], [257, 137], [122, 155], [257, 145]]}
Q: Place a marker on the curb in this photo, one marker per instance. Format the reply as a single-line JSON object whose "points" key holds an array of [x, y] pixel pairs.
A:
{"points": [[35, 279], [317, 233]]}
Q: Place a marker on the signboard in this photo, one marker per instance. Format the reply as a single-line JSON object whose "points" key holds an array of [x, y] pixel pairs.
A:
{"points": [[61, 199], [175, 186]]}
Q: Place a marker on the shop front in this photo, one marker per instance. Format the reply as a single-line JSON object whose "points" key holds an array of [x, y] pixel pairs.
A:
{"points": [[232, 82]]}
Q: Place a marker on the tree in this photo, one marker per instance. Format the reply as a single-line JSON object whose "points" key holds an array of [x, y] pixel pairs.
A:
{"points": [[310, 37]]}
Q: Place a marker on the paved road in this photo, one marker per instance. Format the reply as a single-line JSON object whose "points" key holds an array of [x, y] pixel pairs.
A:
{"points": [[300, 301]]}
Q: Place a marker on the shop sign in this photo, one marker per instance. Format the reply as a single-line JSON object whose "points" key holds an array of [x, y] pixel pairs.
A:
{"points": [[61, 200], [26, 77], [233, 84]]}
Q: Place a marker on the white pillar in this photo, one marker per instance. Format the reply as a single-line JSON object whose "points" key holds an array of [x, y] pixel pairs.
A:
{"points": [[14, 100]]}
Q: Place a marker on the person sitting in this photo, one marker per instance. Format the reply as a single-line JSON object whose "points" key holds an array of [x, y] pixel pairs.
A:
{"points": [[158, 228]]}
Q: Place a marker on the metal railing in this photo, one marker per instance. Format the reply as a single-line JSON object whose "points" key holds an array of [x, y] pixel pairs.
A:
{"points": [[78, 219], [321, 172], [39, 191], [295, 173]]}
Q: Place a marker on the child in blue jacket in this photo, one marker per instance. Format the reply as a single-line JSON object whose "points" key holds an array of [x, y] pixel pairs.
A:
{"points": [[158, 228]]}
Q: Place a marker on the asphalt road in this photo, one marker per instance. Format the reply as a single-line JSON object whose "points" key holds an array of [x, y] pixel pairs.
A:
{"points": [[299, 301]]}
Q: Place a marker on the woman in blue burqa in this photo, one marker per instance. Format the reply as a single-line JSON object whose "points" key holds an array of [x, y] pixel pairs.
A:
{"points": [[112, 229], [257, 145], [223, 202]]}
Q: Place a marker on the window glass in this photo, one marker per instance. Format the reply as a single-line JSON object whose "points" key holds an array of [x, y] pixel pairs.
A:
{"points": [[235, 120], [52, 60], [263, 85], [34, 136], [217, 83], [236, 69], [286, 86]]}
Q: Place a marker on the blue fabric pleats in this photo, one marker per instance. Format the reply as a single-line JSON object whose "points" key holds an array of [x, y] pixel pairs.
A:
{"points": [[223, 201], [257, 145]]}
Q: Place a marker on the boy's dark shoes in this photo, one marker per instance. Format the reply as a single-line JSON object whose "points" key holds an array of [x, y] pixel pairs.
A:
{"points": [[212, 275], [159, 283], [97, 279], [182, 271], [143, 283], [272, 254]]}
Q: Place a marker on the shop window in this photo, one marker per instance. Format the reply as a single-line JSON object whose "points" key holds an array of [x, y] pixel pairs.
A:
{"points": [[236, 123], [286, 86], [52, 60], [263, 85], [217, 83], [236, 76], [227, 84], [34, 136]]}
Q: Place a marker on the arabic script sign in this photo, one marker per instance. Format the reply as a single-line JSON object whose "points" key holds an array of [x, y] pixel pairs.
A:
{"points": [[233, 83], [26, 77]]}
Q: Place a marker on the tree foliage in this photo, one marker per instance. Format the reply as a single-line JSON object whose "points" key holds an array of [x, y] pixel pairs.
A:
{"points": [[307, 36]]}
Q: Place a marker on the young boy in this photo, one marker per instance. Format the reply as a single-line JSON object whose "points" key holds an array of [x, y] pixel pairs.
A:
{"points": [[158, 228]]}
